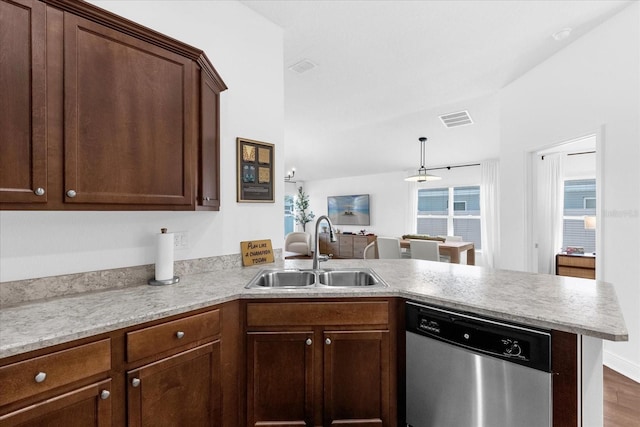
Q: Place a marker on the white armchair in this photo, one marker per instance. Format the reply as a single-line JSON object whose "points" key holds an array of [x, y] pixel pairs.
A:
{"points": [[298, 242]]}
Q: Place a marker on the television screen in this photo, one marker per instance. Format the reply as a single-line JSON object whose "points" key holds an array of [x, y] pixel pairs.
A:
{"points": [[349, 210]]}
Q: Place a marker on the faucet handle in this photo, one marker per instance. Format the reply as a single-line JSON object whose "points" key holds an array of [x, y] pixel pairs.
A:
{"points": [[324, 258]]}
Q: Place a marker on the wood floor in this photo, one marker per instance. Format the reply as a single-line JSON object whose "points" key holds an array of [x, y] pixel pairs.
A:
{"points": [[621, 400]]}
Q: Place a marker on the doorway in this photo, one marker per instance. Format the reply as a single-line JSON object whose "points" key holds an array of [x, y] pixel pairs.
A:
{"points": [[576, 182]]}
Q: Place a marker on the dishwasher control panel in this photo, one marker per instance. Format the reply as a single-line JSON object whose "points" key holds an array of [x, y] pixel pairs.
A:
{"points": [[516, 343]]}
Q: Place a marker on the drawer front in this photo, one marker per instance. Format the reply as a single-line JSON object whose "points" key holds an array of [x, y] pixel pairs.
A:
{"points": [[585, 273], [346, 241], [317, 313], [346, 246], [577, 261], [166, 336], [360, 242], [33, 376], [333, 248]]}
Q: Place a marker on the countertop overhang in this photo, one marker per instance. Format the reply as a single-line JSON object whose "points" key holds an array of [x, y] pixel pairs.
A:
{"points": [[579, 306]]}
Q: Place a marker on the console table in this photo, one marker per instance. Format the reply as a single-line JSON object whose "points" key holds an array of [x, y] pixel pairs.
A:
{"points": [[347, 245], [576, 265]]}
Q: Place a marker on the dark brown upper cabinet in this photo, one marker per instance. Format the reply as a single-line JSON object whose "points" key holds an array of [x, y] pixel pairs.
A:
{"points": [[132, 116], [23, 145]]}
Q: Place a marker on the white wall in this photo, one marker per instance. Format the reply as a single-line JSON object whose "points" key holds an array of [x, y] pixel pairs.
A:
{"points": [[388, 200], [591, 86], [247, 51]]}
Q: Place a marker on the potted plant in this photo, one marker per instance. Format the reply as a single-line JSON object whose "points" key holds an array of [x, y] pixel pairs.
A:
{"points": [[302, 204]]}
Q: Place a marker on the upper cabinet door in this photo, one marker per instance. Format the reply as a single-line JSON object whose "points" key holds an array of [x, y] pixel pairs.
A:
{"points": [[209, 158], [130, 119], [23, 149]]}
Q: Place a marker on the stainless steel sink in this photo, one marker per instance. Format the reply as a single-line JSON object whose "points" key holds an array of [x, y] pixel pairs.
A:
{"points": [[345, 278], [282, 279], [348, 278]]}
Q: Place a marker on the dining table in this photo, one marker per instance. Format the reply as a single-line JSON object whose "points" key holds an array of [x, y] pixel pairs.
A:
{"points": [[451, 249]]}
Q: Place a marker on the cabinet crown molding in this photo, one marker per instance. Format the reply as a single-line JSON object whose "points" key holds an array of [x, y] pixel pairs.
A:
{"points": [[118, 23]]}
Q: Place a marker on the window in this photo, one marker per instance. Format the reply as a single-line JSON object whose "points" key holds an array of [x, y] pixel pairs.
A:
{"points": [[453, 211], [288, 214], [459, 206], [579, 201], [589, 202]]}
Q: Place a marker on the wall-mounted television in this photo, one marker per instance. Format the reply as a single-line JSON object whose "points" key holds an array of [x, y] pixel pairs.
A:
{"points": [[349, 210]]}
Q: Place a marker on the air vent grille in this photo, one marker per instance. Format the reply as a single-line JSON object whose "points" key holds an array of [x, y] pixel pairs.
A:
{"points": [[302, 66], [461, 118]]}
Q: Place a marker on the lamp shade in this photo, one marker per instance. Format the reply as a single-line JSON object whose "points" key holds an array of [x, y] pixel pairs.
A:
{"points": [[589, 222], [422, 176]]}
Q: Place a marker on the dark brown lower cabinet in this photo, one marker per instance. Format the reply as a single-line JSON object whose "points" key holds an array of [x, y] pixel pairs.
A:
{"points": [[356, 378], [320, 364], [84, 407], [280, 378], [180, 390]]}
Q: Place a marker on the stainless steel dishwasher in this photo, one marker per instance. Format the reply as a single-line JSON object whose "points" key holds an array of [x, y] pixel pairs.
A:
{"points": [[464, 370]]}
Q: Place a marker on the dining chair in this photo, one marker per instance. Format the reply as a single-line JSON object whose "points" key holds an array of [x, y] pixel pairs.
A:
{"points": [[370, 251], [447, 258], [425, 249], [388, 247]]}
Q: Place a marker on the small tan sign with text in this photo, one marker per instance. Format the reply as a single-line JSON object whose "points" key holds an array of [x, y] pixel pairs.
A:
{"points": [[256, 252]]}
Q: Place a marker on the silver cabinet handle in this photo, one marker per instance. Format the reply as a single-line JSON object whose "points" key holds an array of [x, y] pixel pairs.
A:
{"points": [[327, 341], [40, 377], [39, 191], [71, 193], [104, 394], [180, 335], [308, 341], [135, 382], [206, 199]]}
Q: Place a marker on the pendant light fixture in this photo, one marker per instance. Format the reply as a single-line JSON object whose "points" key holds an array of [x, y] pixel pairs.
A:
{"points": [[422, 175]]}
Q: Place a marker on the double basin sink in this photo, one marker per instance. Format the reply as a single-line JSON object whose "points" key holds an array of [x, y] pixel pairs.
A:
{"points": [[293, 278]]}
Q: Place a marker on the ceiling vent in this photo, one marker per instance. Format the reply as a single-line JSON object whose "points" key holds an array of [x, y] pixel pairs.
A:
{"points": [[452, 120], [302, 66]]}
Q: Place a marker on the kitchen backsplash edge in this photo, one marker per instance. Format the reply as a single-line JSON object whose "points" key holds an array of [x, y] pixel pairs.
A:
{"points": [[29, 290]]}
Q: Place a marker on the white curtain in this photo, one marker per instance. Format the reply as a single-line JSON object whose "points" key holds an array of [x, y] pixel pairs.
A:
{"points": [[490, 209], [550, 210], [411, 224]]}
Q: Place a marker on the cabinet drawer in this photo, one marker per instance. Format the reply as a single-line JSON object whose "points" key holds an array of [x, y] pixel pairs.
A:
{"points": [[585, 273], [577, 261], [33, 376], [157, 339], [317, 313], [346, 242]]}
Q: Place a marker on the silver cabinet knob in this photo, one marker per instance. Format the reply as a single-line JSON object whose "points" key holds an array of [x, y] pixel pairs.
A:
{"points": [[206, 199], [135, 382], [39, 191], [327, 341], [104, 394], [179, 334], [40, 377], [309, 341], [71, 193]]}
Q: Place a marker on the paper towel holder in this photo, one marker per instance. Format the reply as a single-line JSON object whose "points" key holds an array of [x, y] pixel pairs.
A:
{"points": [[157, 282], [154, 282]]}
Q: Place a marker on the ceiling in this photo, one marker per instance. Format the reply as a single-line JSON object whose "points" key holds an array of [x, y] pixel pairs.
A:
{"points": [[387, 69]]}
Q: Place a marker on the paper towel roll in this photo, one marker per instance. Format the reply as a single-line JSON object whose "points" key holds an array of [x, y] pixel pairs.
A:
{"points": [[164, 256]]}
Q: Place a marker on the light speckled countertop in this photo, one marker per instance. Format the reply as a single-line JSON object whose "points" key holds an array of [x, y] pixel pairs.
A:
{"points": [[563, 303]]}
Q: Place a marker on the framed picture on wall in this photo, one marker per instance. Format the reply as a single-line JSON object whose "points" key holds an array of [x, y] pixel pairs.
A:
{"points": [[255, 171]]}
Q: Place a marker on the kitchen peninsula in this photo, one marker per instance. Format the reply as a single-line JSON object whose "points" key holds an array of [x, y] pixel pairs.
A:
{"points": [[581, 308]]}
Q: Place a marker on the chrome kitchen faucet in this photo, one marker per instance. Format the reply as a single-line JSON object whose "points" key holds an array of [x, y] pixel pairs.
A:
{"points": [[317, 258]]}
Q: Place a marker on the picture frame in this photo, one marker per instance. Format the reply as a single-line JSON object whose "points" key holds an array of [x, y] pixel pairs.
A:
{"points": [[255, 160]]}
